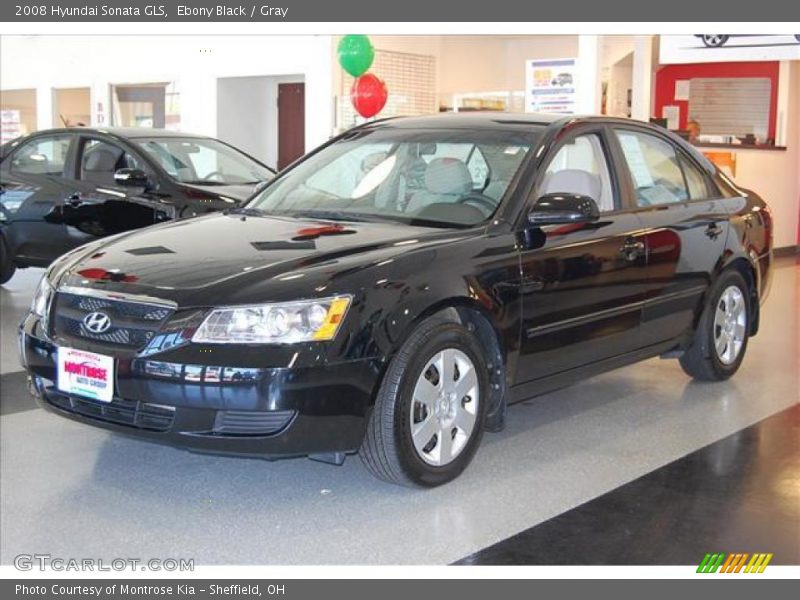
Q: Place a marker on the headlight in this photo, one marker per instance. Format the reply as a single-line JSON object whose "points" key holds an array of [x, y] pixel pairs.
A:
{"points": [[41, 299], [279, 323]]}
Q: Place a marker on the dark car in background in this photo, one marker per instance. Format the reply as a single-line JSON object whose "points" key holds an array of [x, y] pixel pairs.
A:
{"points": [[394, 291], [61, 188]]}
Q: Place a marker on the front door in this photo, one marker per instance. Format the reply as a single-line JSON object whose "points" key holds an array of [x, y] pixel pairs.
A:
{"points": [[291, 122], [582, 284], [101, 206]]}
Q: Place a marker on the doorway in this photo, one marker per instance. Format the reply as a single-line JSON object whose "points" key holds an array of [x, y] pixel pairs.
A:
{"points": [[291, 122], [139, 105], [72, 107], [256, 116]]}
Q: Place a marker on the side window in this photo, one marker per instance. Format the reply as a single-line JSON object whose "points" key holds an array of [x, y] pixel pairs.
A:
{"points": [[695, 180], [654, 167], [42, 156], [101, 159], [580, 167]]}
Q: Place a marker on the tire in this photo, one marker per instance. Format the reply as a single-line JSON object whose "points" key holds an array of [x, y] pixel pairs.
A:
{"points": [[797, 37], [714, 41], [7, 266], [711, 357], [389, 450]]}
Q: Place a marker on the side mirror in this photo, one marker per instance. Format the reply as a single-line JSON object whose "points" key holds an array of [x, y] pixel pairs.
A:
{"points": [[131, 178], [558, 209]]}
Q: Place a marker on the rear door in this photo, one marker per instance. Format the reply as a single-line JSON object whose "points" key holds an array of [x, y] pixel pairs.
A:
{"points": [[35, 180], [686, 227], [582, 287]]}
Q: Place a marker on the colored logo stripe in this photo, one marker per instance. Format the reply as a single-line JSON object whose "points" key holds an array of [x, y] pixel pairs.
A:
{"points": [[733, 563]]}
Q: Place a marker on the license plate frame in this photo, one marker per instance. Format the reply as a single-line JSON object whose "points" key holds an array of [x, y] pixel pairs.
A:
{"points": [[85, 374]]}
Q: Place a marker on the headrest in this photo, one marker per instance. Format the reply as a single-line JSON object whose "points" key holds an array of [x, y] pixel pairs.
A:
{"points": [[572, 181], [448, 176], [100, 159]]}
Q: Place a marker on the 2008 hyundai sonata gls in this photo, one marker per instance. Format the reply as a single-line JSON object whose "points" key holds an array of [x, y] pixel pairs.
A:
{"points": [[392, 293]]}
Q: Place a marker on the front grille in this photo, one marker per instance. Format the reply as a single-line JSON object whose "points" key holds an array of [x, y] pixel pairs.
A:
{"points": [[133, 324], [252, 422], [141, 415]]}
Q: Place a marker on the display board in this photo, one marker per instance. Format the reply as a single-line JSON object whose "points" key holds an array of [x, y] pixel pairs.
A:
{"points": [[550, 85]]}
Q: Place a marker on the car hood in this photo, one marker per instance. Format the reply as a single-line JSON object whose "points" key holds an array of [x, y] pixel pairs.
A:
{"points": [[218, 258], [239, 192]]}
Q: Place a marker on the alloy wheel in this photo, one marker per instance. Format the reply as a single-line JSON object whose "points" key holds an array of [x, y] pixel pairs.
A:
{"points": [[444, 407], [730, 322]]}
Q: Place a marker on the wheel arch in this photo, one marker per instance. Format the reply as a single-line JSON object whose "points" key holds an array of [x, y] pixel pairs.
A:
{"points": [[477, 319]]}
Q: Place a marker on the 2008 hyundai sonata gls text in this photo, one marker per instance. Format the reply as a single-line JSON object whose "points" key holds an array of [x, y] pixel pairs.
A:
{"points": [[393, 292]]}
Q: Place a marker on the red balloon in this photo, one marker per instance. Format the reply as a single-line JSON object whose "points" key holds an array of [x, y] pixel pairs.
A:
{"points": [[368, 95]]}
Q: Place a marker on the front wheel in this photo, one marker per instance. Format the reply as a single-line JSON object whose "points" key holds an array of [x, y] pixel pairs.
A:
{"points": [[714, 41], [7, 266], [428, 417], [720, 340], [797, 37]]}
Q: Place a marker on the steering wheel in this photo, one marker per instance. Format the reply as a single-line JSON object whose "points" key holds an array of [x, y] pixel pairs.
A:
{"points": [[481, 199], [219, 174]]}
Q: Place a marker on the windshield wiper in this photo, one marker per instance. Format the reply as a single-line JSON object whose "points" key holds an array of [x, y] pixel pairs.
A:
{"points": [[204, 182], [328, 215]]}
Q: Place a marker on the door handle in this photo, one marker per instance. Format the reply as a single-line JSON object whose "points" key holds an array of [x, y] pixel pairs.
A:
{"points": [[713, 231], [632, 249]]}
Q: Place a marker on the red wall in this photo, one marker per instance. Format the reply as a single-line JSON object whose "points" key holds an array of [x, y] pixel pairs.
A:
{"points": [[669, 74]]}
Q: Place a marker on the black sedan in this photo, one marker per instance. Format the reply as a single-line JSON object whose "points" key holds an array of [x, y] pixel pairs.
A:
{"points": [[61, 188], [396, 290]]}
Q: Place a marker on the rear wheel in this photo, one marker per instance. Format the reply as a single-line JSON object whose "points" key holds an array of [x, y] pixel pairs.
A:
{"points": [[720, 340], [7, 266], [714, 41], [428, 418]]}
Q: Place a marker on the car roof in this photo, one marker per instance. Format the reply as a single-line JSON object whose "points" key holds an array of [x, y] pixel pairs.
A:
{"points": [[123, 132], [472, 119]]}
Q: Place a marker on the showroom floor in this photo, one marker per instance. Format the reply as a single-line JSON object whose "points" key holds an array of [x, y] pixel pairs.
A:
{"points": [[612, 452]]}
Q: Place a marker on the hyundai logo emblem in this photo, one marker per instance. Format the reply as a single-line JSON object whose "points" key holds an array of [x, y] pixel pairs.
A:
{"points": [[97, 322]]}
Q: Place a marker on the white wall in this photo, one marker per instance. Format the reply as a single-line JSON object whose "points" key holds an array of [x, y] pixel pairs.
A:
{"points": [[194, 62], [247, 114], [475, 63]]}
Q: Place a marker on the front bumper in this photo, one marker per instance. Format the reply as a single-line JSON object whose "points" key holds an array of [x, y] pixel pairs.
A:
{"points": [[261, 412]]}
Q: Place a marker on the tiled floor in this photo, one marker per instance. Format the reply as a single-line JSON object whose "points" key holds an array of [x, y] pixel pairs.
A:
{"points": [[740, 494], [72, 490]]}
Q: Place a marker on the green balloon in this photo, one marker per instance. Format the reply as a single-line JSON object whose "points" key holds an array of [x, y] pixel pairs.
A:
{"points": [[355, 54]]}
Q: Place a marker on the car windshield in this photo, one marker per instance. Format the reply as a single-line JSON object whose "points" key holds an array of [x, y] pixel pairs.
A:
{"points": [[204, 161], [445, 178]]}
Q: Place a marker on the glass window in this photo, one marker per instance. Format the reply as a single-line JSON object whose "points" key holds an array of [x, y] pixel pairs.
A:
{"points": [[580, 167], [101, 160], [470, 154], [695, 180], [204, 161], [654, 167], [442, 177], [42, 156]]}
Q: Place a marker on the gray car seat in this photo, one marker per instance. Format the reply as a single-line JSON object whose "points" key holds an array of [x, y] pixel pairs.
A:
{"points": [[446, 180], [99, 165], [572, 181]]}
